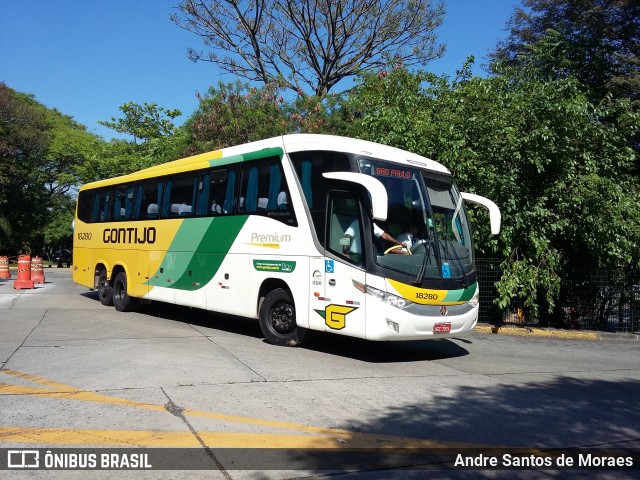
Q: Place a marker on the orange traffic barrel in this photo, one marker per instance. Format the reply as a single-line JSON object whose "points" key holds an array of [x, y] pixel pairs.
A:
{"points": [[37, 270], [23, 280], [4, 268]]}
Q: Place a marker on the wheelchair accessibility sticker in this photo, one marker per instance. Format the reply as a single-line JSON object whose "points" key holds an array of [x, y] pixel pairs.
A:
{"points": [[328, 266]]}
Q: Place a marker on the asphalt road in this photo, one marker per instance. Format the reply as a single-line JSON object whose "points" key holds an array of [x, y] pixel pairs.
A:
{"points": [[76, 374]]}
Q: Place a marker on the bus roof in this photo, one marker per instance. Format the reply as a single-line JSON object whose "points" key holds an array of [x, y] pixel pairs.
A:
{"points": [[276, 146], [301, 142]]}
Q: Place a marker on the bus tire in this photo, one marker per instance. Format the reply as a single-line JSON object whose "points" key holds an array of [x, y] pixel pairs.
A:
{"points": [[105, 292], [121, 300], [277, 318]]}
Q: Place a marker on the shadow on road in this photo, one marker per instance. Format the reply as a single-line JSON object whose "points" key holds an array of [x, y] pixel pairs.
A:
{"points": [[355, 348]]}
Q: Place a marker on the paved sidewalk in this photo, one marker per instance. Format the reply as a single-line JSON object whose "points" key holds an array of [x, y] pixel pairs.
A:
{"points": [[556, 333]]}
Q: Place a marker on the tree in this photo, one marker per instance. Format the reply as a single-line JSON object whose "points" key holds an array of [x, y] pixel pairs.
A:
{"points": [[235, 113], [559, 167], [144, 121], [156, 140], [312, 43], [597, 41], [40, 149]]}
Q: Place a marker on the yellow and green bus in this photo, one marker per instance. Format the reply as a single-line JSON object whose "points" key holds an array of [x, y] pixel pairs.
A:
{"points": [[286, 230]]}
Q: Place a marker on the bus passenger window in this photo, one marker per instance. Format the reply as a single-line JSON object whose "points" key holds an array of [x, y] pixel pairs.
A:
{"points": [[120, 203], [148, 199], [105, 203], [85, 205], [179, 196], [309, 167], [264, 191], [218, 192], [95, 207], [203, 189], [229, 205], [249, 200]]}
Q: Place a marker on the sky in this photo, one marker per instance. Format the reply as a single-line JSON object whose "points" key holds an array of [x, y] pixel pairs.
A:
{"points": [[85, 58]]}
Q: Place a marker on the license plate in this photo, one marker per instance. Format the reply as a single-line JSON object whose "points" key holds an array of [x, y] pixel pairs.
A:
{"points": [[442, 328]]}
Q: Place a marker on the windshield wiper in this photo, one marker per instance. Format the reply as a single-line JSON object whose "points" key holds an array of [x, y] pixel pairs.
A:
{"points": [[423, 268]]}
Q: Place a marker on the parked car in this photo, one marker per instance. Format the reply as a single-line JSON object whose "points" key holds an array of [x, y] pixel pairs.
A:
{"points": [[63, 255]]}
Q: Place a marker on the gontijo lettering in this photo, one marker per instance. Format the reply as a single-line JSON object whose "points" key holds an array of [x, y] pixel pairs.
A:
{"points": [[133, 235]]}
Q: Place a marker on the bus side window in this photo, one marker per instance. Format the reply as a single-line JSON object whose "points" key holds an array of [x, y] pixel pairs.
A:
{"points": [[85, 205], [179, 195], [264, 191], [166, 198], [249, 199], [230, 194], [105, 203], [310, 166], [95, 207], [119, 203], [218, 192], [203, 189], [128, 202], [149, 192], [137, 202]]}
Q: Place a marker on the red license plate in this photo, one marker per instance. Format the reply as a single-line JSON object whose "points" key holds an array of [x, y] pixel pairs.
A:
{"points": [[442, 328]]}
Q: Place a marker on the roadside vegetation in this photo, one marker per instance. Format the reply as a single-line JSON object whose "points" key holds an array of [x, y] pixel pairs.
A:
{"points": [[550, 132]]}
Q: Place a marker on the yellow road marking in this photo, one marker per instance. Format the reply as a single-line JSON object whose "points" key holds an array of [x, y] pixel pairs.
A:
{"points": [[59, 390], [322, 437], [138, 438]]}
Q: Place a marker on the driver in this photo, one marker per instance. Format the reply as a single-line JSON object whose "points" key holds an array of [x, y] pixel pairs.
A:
{"points": [[353, 248], [410, 237]]}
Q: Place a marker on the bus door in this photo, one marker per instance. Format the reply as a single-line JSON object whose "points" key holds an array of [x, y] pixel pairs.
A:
{"points": [[343, 268]]}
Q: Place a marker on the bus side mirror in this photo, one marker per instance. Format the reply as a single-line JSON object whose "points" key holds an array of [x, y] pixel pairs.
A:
{"points": [[374, 186], [494, 211]]}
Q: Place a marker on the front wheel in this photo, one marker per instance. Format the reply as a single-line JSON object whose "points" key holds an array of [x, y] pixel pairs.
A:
{"points": [[278, 319], [121, 300]]}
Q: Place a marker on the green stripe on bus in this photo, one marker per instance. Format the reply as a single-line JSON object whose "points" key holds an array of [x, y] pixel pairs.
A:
{"points": [[461, 295], [185, 269], [265, 153]]}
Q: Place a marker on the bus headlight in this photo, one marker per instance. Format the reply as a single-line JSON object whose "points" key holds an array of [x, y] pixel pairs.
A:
{"points": [[385, 297], [475, 300]]}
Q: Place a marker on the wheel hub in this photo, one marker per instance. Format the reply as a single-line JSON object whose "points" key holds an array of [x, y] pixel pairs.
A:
{"points": [[282, 318]]}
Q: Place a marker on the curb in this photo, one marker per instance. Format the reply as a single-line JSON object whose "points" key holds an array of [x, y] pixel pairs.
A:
{"points": [[553, 333]]}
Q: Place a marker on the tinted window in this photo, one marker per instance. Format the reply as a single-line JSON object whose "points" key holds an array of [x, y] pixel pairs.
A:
{"points": [[148, 199], [179, 196], [264, 191], [85, 204]]}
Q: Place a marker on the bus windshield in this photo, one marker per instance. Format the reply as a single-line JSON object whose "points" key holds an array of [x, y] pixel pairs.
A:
{"points": [[425, 209]]}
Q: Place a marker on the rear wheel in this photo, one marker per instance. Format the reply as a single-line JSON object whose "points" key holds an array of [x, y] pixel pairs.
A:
{"points": [[105, 292], [278, 319], [121, 300]]}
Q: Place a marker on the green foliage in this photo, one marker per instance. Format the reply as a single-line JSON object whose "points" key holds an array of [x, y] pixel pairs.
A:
{"points": [[144, 121], [551, 137], [161, 142], [559, 167], [57, 231], [235, 113], [595, 41], [40, 150]]}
